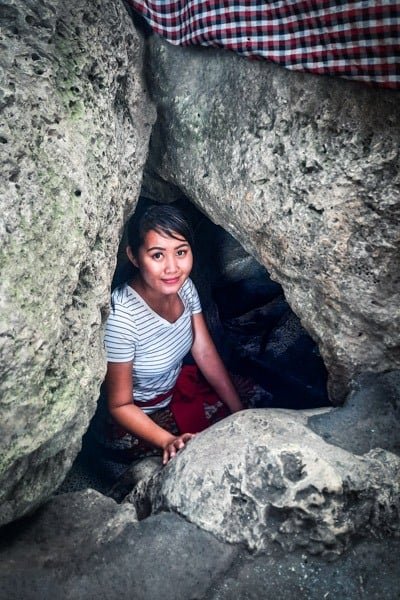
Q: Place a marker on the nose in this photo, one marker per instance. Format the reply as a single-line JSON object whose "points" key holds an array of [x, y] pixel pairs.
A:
{"points": [[171, 264]]}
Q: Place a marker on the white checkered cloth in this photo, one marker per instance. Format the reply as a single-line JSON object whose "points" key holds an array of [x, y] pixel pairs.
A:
{"points": [[357, 39]]}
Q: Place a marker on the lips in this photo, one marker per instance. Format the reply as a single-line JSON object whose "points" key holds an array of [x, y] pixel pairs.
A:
{"points": [[171, 281]]}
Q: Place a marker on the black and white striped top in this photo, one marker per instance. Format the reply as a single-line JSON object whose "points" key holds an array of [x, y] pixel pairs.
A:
{"points": [[134, 332]]}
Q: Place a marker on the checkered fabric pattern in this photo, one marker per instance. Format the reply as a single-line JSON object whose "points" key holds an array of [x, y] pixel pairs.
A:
{"points": [[358, 39]]}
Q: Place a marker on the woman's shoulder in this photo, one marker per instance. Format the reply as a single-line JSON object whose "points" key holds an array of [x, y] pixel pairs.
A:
{"points": [[120, 295], [123, 314], [190, 296], [188, 287], [123, 300]]}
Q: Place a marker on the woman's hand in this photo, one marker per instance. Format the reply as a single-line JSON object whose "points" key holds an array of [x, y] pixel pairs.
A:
{"points": [[175, 444]]}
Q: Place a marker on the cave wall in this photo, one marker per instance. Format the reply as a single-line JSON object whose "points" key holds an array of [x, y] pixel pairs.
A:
{"points": [[74, 130], [304, 171]]}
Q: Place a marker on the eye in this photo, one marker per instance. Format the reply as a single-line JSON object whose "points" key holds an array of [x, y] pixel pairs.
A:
{"points": [[157, 256], [181, 252]]}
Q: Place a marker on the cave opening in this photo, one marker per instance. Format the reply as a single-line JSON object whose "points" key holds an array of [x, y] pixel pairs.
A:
{"points": [[273, 361], [260, 339]]}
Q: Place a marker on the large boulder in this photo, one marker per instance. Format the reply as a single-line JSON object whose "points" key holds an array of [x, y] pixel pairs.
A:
{"points": [[74, 130], [84, 545], [304, 171], [264, 476]]}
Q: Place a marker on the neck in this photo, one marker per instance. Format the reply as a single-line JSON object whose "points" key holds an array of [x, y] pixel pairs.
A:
{"points": [[167, 306]]}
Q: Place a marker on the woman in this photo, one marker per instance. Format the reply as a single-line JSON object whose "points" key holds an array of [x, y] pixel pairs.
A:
{"points": [[155, 320]]}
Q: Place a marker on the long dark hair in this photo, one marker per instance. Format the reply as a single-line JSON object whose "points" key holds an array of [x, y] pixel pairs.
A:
{"points": [[162, 218]]}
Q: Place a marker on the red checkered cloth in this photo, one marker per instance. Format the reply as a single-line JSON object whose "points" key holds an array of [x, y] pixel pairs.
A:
{"points": [[356, 39]]}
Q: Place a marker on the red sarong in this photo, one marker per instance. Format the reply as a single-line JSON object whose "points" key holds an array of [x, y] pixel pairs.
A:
{"points": [[194, 407], [193, 401], [191, 397]]}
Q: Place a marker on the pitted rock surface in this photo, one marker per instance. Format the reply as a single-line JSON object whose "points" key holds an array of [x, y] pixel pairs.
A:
{"points": [[263, 476], [74, 129], [304, 171]]}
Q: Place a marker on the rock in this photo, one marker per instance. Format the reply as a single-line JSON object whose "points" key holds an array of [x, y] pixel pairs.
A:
{"points": [[137, 476], [262, 476], [370, 570], [304, 171], [143, 469], [369, 419], [84, 545], [74, 129]]}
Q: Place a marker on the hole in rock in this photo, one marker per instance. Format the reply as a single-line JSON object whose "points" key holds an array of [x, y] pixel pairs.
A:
{"points": [[273, 361]]}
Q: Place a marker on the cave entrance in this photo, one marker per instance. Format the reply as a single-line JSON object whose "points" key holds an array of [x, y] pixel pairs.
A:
{"points": [[262, 342], [273, 361]]}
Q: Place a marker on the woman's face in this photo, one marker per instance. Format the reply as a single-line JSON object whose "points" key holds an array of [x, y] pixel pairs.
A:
{"points": [[164, 262]]}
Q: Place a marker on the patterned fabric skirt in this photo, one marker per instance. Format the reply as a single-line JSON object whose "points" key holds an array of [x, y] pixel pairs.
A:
{"points": [[194, 407]]}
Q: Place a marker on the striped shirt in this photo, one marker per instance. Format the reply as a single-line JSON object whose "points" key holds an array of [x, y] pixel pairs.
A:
{"points": [[156, 347]]}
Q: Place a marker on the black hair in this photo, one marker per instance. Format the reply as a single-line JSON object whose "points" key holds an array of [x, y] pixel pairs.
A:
{"points": [[162, 218], [165, 219]]}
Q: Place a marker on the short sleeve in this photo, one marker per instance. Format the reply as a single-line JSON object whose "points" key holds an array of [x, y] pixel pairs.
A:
{"points": [[191, 296], [119, 338]]}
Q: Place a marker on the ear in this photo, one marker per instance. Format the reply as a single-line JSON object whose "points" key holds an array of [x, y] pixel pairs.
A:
{"points": [[131, 257]]}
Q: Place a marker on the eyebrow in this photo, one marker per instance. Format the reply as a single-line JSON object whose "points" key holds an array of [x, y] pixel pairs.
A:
{"points": [[161, 248]]}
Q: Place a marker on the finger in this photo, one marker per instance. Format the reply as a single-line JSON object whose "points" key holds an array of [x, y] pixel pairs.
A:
{"points": [[172, 452], [165, 457]]}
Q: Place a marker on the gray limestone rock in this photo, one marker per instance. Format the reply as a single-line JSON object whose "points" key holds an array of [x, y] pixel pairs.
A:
{"points": [[83, 545], [74, 129], [137, 476], [304, 171], [263, 476], [369, 419]]}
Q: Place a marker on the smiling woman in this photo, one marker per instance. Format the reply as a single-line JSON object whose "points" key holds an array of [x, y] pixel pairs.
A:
{"points": [[164, 263], [156, 319]]}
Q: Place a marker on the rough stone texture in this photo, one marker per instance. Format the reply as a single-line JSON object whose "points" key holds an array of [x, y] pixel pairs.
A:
{"points": [[137, 476], [304, 171], [84, 546], [74, 128], [369, 419], [262, 475], [370, 571]]}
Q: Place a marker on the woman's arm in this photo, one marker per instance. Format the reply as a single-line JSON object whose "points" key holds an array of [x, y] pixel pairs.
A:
{"points": [[210, 364], [119, 395]]}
